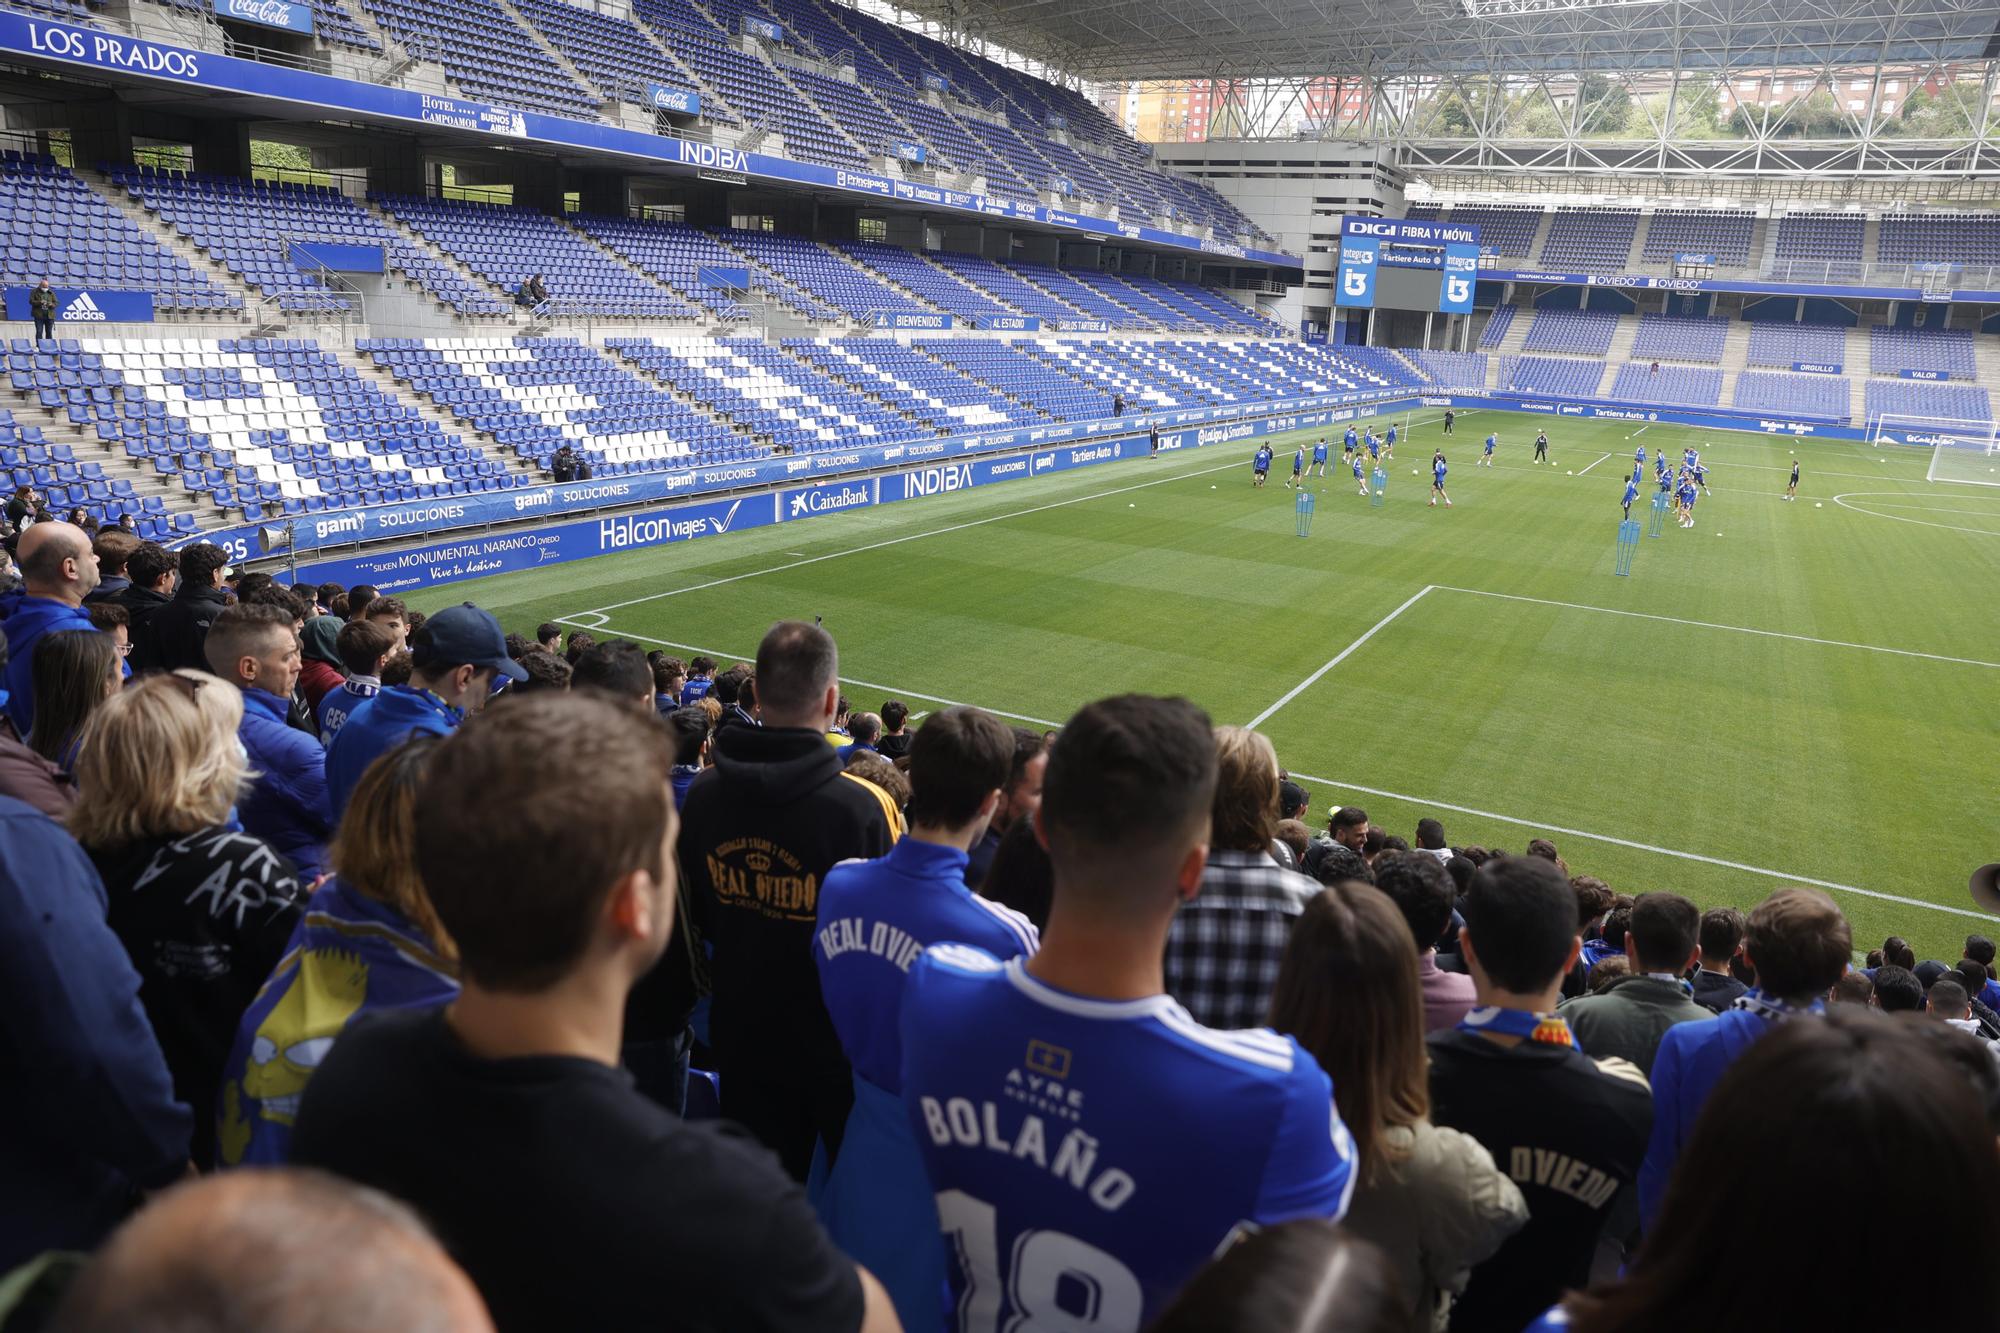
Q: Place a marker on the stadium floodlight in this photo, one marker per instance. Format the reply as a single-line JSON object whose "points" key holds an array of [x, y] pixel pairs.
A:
{"points": [[1499, 9], [1963, 450]]}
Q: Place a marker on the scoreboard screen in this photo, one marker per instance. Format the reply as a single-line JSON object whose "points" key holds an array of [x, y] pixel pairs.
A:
{"points": [[1398, 264]]}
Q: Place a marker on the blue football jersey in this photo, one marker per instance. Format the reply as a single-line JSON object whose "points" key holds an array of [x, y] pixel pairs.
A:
{"points": [[1089, 1155], [1349, 437], [1631, 490], [1392, 435], [875, 920], [1319, 452], [1263, 459]]}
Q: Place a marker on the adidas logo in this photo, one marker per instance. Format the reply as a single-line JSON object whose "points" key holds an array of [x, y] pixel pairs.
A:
{"points": [[83, 308]]}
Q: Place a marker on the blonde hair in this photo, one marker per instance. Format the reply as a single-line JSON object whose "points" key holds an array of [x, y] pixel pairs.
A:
{"points": [[1245, 812], [159, 759]]}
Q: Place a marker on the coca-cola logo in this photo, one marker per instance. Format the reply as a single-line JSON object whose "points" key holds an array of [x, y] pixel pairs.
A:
{"points": [[271, 13]]}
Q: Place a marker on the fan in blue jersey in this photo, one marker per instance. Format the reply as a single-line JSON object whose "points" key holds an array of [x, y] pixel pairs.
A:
{"points": [[1260, 466], [1631, 494], [1319, 458], [1360, 478], [1486, 459], [1437, 481], [1389, 442], [1298, 465], [1090, 1144], [875, 918]]}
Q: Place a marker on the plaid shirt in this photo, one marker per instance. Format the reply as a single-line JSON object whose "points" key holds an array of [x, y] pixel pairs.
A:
{"points": [[1225, 946]]}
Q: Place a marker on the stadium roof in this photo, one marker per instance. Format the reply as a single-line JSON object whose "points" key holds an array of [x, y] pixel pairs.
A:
{"points": [[1118, 40]]}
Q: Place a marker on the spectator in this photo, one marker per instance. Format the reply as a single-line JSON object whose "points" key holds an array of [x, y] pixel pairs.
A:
{"points": [[286, 804], [1569, 1130], [1897, 990], [454, 660], [392, 615], [872, 767], [1854, 987], [1298, 1277], [42, 309], [548, 635], [325, 1256], [358, 598], [1349, 992], [1628, 1018], [562, 464], [115, 623], [1609, 971], [1799, 943], [836, 735], [92, 1118], [321, 670], [1973, 976], [369, 941], [557, 887], [668, 678], [21, 507], [1210, 1129], [58, 570], [701, 678], [1792, 1126], [865, 729], [1430, 840], [729, 690], [172, 638], [690, 732], [362, 646], [1293, 801], [297, 609], [877, 1205], [324, 597], [114, 548], [533, 293], [1226, 945], [154, 573], [1980, 950], [1948, 1003], [776, 811], [396, 669], [1715, 988], [25, 775], [75, 672], [895, 741], [1021, 876], [547, 673], [1294, 837], [619, 672], [203, 912], [1335, 863], [580, 642], [1422, 892], [1020, 801], [1349, 827]]}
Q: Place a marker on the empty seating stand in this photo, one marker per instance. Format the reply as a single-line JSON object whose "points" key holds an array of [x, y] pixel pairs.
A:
{"points": [[1820, 244], [1723, 233], [1942, 351], [1793, 395], [1590, 240], [1679, 338], [1795, 344], [1670, 386], [1583, 332]]}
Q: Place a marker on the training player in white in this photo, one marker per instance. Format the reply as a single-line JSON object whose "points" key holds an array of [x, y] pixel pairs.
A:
{"points": [[1092, 1146]]}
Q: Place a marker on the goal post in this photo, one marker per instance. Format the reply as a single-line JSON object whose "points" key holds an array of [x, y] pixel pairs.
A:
{"points": [[1963, 450]]}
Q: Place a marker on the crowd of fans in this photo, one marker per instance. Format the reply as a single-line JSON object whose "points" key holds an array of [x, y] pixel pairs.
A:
{"points": [[675, 993]]}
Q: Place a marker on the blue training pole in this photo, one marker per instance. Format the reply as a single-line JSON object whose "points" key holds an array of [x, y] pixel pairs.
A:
{"points": [[1628, 545], [1380, 487], [1304, 511], [1657, 524]]}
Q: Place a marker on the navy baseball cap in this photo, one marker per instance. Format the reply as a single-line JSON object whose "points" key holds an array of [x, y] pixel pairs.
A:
{"points": [[464, 635]]}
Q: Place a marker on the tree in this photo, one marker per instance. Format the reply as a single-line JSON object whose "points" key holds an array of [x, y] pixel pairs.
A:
{"points": [[1603, 107], [1951, 112]]}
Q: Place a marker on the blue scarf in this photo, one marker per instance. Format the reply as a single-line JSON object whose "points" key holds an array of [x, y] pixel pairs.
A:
{"points": [[1774, 1011], [1548, 1029]]}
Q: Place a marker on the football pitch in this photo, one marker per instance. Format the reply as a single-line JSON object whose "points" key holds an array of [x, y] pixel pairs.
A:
{"points": [[1804, 692]]}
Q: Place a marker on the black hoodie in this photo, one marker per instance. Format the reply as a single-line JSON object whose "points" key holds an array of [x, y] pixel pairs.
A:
{"points": [[759, 831], [175, 633]]}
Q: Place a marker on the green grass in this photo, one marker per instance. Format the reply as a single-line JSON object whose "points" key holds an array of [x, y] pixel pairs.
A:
{"points": [[1861, 768]]}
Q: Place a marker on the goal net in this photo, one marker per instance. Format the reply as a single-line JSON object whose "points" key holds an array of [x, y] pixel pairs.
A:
{"points": [[1962, 450]]}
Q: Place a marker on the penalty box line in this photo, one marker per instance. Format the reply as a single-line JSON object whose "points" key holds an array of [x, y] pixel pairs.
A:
{"points": [[1541, 826]]}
